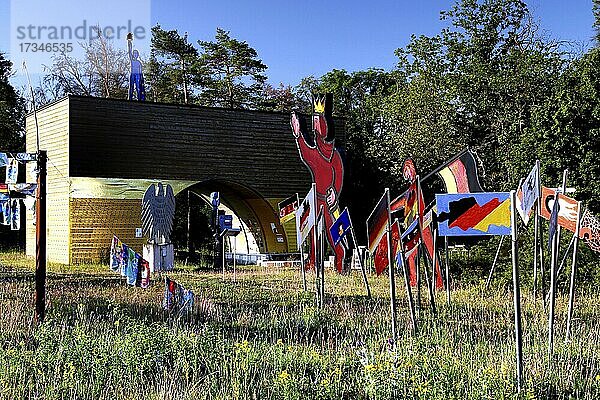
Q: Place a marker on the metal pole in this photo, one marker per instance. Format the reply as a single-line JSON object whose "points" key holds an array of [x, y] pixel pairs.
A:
{"points": [[40, 238], [189, 224], [447, 270], [391, 272], [489, 279], [411, 304], [540, 231], [555, 247], [418, 276], [517, 293], [223, 255], [314, 247], [573, 272], [360, 259], [301, 252], [322, 264], [535, 249], [427, 281], [234, 251]]}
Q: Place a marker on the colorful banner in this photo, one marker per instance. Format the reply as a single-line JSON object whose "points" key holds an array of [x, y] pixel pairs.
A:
{"points": [[528, 193], [589, 231], [12, 170], [381, 253], [377, 222], [177, 299], [305, 217], [474, 214], [287, 208], [15, 214], [131, 265], [340, 227], [460, 175], [568, 209]]}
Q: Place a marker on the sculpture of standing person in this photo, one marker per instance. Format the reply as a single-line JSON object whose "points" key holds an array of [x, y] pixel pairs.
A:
{"points": [[136, 78]]}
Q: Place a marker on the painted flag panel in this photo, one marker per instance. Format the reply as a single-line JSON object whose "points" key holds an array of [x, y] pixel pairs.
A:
{"points": [[589, 231], [568, 209], [527, 194], [287, 208], [377, 222], [340, 227], [473, 214], [305, 217], [460, 175], [380, 260], [381, 254]]}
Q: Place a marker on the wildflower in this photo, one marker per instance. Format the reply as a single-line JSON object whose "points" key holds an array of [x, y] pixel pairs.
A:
{"points": [[369, 368], [283, 377], [279, 342]]}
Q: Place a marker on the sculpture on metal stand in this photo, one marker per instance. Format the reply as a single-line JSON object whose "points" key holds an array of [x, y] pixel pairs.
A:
{"points": [[136, 77], [158, 211]]}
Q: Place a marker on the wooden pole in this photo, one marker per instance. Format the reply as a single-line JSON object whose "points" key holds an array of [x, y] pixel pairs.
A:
{"points": [[489, 279], [447, 270], [40, 238], [555, 247], [517, 293], [301, 253], [391, 273], [573, 272]]}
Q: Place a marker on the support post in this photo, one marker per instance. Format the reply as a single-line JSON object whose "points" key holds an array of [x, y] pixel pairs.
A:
{"points": [[391, 272], [360, 259], [447, 270], [517, 293], [40, 238], [430, 288], [489, 279], [573, 272], [555, 247], [301, 253]]}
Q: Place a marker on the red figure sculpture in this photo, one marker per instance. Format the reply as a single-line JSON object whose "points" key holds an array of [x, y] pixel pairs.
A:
{"points": [[325, 165]]}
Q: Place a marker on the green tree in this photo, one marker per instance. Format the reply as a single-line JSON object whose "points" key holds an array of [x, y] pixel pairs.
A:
{"points": [[568, 129], [171, 68], [474, 84], [230, 73], [12, 111]]}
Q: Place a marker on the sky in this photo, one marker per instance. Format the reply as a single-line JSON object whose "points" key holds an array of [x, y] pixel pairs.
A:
{"points": [[294, 39]]}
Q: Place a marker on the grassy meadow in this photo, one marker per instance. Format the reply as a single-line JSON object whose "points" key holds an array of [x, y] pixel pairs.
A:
{"points": [[261, 336]]}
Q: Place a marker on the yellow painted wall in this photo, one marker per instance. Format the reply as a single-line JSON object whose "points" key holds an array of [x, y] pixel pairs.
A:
{"points": [[54, 122]]}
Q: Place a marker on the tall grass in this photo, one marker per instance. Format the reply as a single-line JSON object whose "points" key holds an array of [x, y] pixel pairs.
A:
{"points": [[262, 337]]}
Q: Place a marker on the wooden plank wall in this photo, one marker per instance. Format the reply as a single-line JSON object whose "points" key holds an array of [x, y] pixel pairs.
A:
{"points": [[113, 138], [54, 137], [95, 221]]}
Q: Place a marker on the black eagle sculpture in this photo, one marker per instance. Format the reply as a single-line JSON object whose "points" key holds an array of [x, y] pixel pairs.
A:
{"points": [[158, 210]]}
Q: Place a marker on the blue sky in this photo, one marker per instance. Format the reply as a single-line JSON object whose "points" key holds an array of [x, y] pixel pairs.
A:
{"points": [[296, 39]]}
